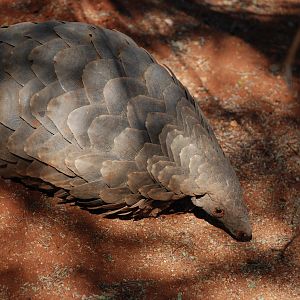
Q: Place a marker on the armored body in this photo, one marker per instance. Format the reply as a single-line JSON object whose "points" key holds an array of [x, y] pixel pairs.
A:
{"points": [[86, 111]]}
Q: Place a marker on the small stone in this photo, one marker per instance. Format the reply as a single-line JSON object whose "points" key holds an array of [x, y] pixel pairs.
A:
{"points": [[104, 14], [251, 285], [234, 123], [204, 79], [202, 41], [169, 22], [177, 44]]}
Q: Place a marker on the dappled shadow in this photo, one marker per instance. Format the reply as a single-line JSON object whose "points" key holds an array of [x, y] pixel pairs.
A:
{"points": [[261, 153], [123, 259], [97, 261], [259, 30]]}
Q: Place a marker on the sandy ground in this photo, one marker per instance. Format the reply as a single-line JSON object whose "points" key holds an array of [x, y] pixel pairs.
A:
{"points": [[229, 54]]}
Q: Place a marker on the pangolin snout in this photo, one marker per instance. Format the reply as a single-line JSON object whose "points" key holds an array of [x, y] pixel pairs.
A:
{"points": [[242, 236]]}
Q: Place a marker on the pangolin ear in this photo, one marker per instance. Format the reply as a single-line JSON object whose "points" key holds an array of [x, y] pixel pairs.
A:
{"points": [[200, 200]]}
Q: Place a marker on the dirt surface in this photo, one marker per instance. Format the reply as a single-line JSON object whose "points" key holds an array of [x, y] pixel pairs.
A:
{"points": [[229, 55]]}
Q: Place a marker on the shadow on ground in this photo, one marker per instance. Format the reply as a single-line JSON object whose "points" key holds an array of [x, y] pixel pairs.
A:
{"points": [[50, 250]]}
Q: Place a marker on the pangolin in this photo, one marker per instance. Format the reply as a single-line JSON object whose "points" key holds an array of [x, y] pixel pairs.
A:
{"points": [[86, 112]]}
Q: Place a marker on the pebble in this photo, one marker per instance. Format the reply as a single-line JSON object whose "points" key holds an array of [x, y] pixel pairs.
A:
{"points": [[178, 45], [204, 79], [202, 41], [234, 123], [169, 22]]}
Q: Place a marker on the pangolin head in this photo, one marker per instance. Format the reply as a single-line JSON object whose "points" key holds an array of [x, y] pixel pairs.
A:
{"points": [[223, 201], [197, 168]]}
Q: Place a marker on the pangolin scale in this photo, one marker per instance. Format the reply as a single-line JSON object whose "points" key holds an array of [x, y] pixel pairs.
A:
{"points": [[86, 111]]}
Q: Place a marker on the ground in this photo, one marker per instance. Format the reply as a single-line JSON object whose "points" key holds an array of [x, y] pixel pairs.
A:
{"points": [[229, 54]]}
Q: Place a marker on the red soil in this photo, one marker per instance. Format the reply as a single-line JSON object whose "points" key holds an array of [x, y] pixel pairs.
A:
{"points": [[229, 54]]}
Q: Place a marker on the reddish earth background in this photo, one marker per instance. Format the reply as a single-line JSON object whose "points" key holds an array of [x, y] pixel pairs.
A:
{"points": [[229, 54]]}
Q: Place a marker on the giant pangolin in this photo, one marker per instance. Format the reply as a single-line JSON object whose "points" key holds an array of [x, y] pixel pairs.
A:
{"points": [[84, 110]]}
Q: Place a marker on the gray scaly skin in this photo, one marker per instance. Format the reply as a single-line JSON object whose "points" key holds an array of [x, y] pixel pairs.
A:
{"points": [[86, 111]]}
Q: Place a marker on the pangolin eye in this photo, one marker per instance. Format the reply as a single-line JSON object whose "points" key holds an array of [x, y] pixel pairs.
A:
{"points": [[218, 212]]}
